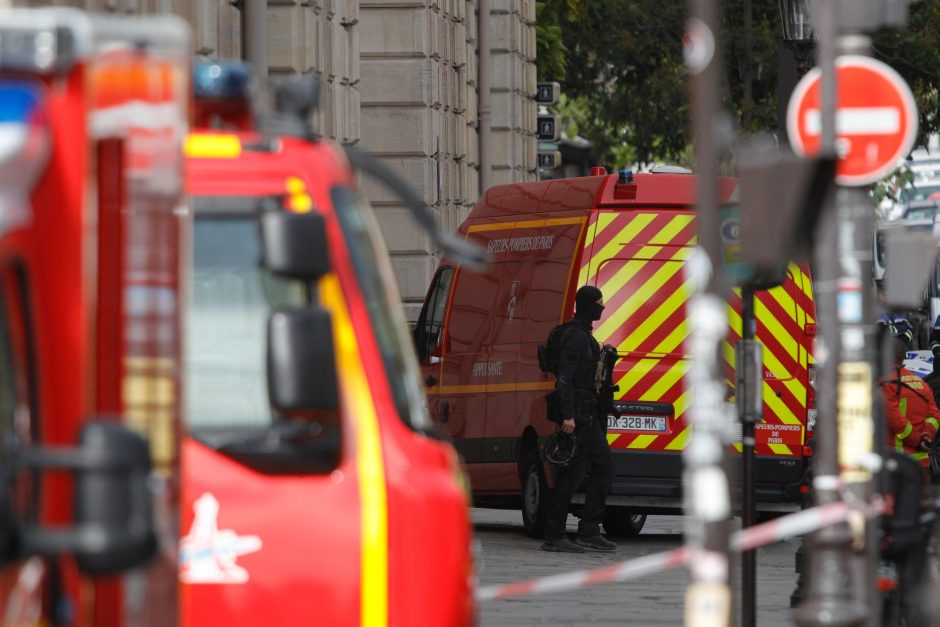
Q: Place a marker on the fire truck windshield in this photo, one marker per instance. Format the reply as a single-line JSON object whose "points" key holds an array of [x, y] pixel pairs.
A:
{"points": [[370, 262], [232, 297]]}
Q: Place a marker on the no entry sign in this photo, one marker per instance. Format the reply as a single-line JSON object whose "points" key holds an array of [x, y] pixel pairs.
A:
{"points": [[876, 119]]}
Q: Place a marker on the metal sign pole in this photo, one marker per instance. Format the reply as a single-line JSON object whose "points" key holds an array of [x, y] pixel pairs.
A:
{"points": [[706, 490], [829, 598], [749, 378]]}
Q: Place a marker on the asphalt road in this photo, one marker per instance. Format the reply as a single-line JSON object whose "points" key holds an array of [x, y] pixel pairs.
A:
{"points": [[506, 555]]}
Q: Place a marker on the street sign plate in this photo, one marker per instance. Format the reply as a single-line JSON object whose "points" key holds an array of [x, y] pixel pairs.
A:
{"points": [[547, 93], [876, 119], [548, 128], [549, 159]]}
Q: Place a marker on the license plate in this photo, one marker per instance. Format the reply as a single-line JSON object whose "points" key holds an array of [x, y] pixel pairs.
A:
{"points": [[637, 423]]}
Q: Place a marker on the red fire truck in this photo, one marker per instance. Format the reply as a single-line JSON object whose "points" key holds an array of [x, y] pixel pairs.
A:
{"points": [[478, 334], [93, 114], [315, 490]]}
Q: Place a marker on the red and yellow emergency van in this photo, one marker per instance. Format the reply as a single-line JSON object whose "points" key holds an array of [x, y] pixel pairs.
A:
{"points": [[315, 490], [478, 332], [93, 113]]}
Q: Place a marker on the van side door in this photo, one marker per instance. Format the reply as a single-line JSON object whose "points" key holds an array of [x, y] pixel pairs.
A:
{"points": [[462, 354]]}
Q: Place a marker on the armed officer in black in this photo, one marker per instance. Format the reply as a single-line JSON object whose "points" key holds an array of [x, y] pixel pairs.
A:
{"points": [[577, 391]]}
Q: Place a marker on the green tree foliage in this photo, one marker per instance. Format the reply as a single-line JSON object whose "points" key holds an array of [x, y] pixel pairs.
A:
{"points": [[621, 67], [915, 54]]}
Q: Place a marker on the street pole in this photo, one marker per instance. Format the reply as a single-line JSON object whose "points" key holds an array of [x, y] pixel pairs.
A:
{"points": [[705, 480], [748, 384], [859, 340], [829, 597]]}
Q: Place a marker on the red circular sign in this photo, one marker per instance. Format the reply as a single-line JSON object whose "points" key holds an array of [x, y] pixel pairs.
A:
{"points": [[876, 119]]}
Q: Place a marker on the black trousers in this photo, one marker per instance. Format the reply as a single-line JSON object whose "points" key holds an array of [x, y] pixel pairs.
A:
{"points": [[592, 466]]}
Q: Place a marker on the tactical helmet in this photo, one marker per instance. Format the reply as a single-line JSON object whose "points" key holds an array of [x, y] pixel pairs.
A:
{"points": [[560, 448]]}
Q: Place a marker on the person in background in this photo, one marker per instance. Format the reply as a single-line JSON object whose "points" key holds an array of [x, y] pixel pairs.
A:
{"points": [[911, 410], [577, 390]]}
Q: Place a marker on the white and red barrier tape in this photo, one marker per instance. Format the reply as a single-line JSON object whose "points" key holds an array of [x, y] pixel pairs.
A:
{"points": [[788, 526]]}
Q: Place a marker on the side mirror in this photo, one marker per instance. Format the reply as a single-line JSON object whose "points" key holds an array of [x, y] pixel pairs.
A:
{"points": [[294, 245], [114, 523], [301, 365]]}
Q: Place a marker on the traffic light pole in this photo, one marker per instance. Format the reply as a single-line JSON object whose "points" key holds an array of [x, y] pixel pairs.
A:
{"points": [[706, 490]]}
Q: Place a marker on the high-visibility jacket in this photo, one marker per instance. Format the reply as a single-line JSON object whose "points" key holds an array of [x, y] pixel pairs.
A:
{"points": [[912, 413]]}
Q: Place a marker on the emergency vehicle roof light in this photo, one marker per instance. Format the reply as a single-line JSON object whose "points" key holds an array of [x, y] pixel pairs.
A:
{"points": [[626, 176], [221, 80], [598, 170], [223, 93]]}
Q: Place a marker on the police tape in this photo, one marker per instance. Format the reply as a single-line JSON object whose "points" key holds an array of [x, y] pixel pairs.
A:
{"points": [[775, 530]]}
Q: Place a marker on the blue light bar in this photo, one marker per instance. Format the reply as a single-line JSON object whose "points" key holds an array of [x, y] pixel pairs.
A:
{"points": [[19, 102], [221, 80]]}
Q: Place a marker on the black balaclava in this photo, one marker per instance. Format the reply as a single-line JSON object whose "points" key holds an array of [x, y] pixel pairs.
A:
{"points": [[585, 302]]}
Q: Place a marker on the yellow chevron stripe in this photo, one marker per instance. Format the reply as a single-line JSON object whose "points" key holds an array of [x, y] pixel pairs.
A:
{"points": [[679, 442], [626, 235], [599, 222], [772, 324], [669, 232], [778, 407], [771, 363], [628, 270], [675, 337], [592, 228], [738, 446], [780, 449], [734, 319], [613, 437], [646, 254], [657, 317], [681, 405], [666, 382], [786, 302], [634, 375], [805, 283], [642, 441], [797, 389], [655, 283], [727, 351]]}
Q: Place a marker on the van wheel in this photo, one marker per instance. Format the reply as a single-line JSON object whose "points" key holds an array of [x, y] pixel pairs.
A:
{"points": [[534, 497], [622, 522]]}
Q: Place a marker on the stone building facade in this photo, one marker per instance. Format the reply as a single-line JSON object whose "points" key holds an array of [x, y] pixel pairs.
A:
{"points": [[400, 78]]}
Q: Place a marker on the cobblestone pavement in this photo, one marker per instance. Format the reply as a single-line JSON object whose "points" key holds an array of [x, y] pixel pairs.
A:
{"points": [[506, 554]]}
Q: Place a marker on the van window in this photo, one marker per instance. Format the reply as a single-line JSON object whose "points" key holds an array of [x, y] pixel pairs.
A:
{"points": [[428, 329]]}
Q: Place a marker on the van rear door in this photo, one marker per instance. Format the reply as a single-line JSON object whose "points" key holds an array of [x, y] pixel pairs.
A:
{"points": [[778, 312], [636, 258]]}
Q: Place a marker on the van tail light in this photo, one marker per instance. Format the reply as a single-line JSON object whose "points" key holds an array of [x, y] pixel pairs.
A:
{"points": [[810, 330], [807, 452]]}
